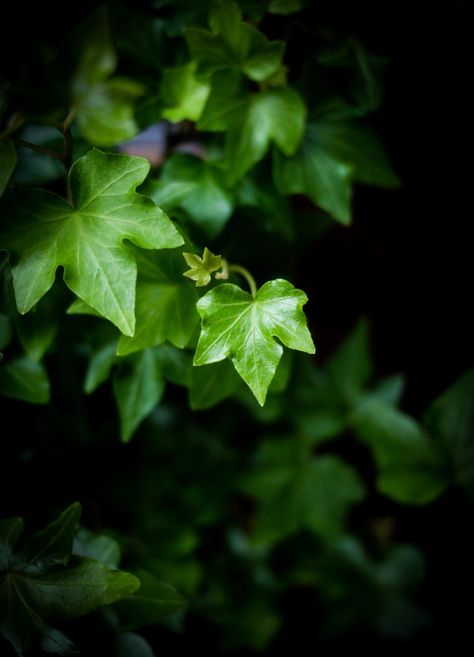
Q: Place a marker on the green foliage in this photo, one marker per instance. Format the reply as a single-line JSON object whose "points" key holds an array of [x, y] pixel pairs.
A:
{"points": [[272, 491]]}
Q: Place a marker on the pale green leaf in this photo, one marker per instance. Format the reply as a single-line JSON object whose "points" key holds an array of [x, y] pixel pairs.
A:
{"points": [[138, 386], [25, 379], [183, 95], [202, 268], [45, 232], [314, 171], [237, 326], [165, 303], [7, 163]]}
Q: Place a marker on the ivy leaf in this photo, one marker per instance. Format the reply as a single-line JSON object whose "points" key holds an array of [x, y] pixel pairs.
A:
{"points": [[232, 44], [129, 643], [8, 160], [252, 121], [243, 328], [198, 187], [299, 492], [25, 379], [152, 603], [315, 171], [165, 303], [202, 268], [410, 469], [103, 106], [54, 543], [138, 386], [10, 532], [100, 366], [450, 421], [99, 547], [183, 95], [210, 384], [86, 239]]}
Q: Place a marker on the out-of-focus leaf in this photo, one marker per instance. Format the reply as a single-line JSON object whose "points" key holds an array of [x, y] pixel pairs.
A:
{"points": [[25, 379], [129, 644], [409, 466], [450, 421], [54, 543], [210, 384], [183, 95], [7, 163], [99, 547]]}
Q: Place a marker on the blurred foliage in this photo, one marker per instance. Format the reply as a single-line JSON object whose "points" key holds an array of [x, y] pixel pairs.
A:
{"points": [[234, 523]]}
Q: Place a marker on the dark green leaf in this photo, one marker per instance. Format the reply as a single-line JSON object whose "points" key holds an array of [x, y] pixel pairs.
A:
{"points": [[242, 328], [138, 386], [56, 643], [165, 303], [5, 331], [351, 367], [10, 531], [210, 384], [315, 172], [130, 644], [87, 239], [100, 366], [450, 420], [152, 603], [99, 547], [54, 543], [410, 468], [7, 163], [25, 379], [198, 187]]}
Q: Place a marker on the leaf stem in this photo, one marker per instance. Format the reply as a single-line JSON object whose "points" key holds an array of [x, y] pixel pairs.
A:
{"points": [[237, 269], [39, 149]]}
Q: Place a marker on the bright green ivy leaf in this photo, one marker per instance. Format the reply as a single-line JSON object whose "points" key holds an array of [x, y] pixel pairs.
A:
{"points": [[103, 106], [198, 187], [450, 421], [45, 232], [152, 603], [202, 268], [165, 303], [252, 122], [54, 543], [25, 379], [243, 328], [138, 386], [7, 163], [232, 44], [410, 469], [315, 171], [183, 95]]}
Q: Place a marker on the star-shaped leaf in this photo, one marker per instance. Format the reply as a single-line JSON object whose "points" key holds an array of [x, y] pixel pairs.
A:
{"points": [[252, 121], [86, 238], [202, 268], [243, 328], [232, 44]]}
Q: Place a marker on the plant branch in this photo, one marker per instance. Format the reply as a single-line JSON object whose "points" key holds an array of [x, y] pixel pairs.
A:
{"points": [[39, 149]]}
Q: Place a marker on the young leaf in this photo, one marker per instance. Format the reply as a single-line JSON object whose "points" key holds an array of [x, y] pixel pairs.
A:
{"points": [[183, 95], [202, 268], [138, 386], [237, 326], [54, 543], [25, 379], [202, 192], [165, 303], [7, 163], [315, 171], [87, 238], [232, 44], [450, 421]]}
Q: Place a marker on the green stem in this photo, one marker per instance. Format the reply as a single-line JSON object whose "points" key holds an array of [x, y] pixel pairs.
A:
{"points": [[238, 269], [39, 149]]}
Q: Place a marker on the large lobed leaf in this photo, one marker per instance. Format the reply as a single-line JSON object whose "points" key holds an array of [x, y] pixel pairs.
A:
{"points": [[86, 238], [243, 328]]}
